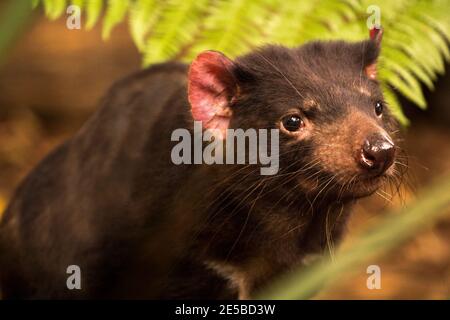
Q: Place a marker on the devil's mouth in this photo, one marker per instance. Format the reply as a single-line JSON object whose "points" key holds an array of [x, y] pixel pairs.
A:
{"points": [[359, 186], [344, 188], [365, 186]]}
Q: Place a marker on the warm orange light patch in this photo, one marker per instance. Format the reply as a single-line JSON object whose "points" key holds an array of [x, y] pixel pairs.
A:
{"points": [[371, 71]]}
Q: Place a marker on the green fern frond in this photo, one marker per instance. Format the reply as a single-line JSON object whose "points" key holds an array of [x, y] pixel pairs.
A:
{"points": [[232, 27], [415, 44], [176, 27], [327, 20], [413, 49], [394, 105], [143, 15], [54, 9], [115, 13], [399, 57], [93, 11], [290, 15], [80, 3]]}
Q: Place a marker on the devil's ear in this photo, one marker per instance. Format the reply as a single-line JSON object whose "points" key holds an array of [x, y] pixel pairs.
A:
{"points": [[211, 89], [370, 69], [376, 34]]}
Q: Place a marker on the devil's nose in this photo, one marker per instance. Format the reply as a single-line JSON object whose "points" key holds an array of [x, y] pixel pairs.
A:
{"points": [[377, 154]]}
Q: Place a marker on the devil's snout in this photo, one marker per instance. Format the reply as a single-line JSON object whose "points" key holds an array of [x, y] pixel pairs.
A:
{"points": [[377, 154]]}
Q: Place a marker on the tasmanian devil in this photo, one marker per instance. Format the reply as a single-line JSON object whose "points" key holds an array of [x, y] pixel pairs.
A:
{"points": [[112, 202]]}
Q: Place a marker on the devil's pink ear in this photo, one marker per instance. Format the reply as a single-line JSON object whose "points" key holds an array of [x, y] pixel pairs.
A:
{"points": [[211, 88], [376, 34]]}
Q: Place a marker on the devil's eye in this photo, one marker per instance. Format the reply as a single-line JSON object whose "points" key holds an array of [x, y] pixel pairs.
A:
{"points": [[379, 108], [292, 123]]}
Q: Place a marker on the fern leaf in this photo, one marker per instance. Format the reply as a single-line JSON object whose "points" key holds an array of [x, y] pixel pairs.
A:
{"points": [[407, 62], [394, 105], [115, 13], [285, 26], [54, 8], [410, 92], [231, 26], [79, 3], [93, 11], [176, 27], [143, 16]]}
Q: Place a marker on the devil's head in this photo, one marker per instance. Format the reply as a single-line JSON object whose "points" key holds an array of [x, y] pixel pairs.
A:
{"points": [[336, 133]]}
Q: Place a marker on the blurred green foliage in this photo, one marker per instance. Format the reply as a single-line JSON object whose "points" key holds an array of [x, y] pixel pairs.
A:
{"points": [[12, 20]]}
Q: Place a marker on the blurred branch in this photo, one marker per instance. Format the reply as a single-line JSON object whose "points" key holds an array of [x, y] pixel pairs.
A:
{"points": [[389, 233], [14, 17]]}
